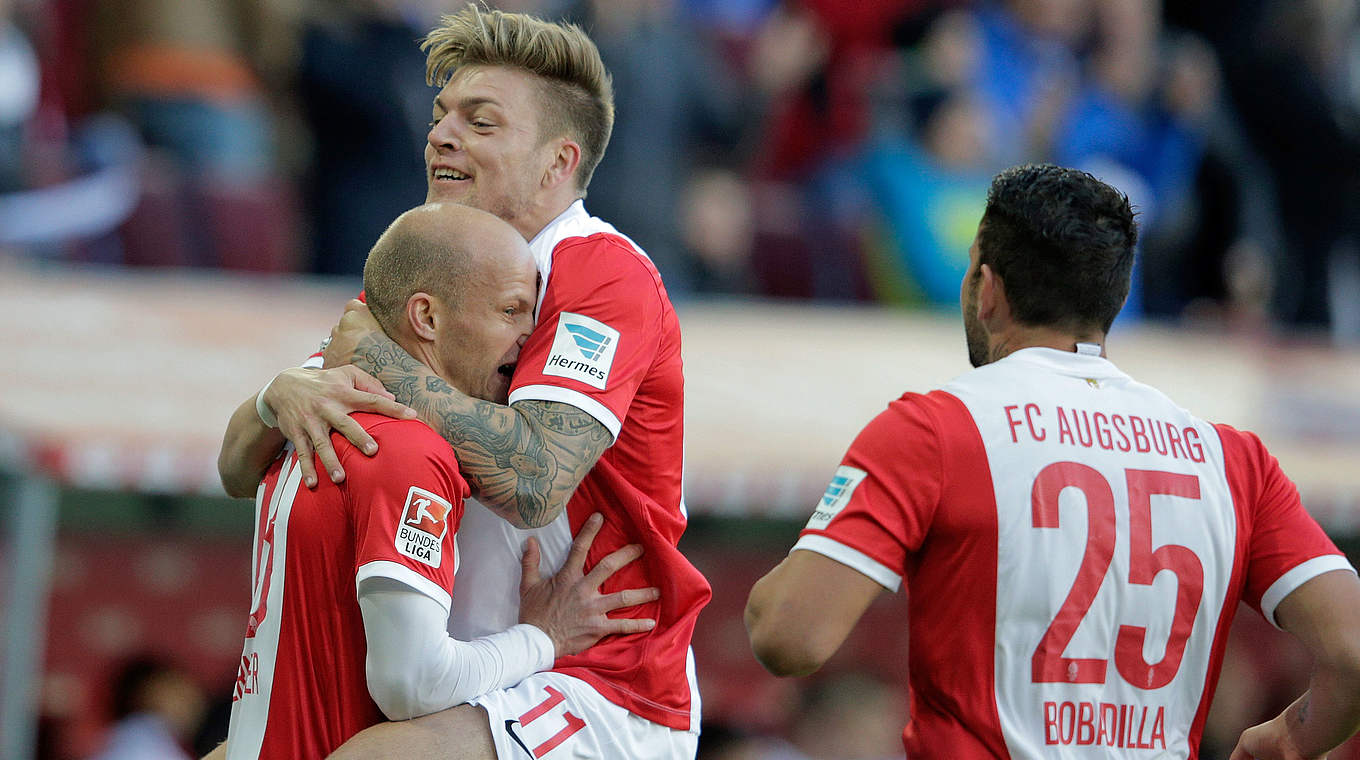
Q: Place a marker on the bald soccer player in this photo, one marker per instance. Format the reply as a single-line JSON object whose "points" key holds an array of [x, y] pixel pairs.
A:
{"points": [[352, 582]]}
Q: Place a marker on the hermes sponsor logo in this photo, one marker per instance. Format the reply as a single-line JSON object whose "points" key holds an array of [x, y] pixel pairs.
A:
{"points": [[837, 495], [583, 349]]}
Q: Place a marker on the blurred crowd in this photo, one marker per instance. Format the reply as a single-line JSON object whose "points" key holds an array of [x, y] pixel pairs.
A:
{"points": [[808, 149]]}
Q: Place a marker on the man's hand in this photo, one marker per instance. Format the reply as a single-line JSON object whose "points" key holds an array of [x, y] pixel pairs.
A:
{"points": [[309, 403], [1268, 741], [569, 606], [355, 324]]}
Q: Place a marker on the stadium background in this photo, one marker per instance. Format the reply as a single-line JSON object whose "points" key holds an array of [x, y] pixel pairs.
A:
{"points": [[187, 190]]}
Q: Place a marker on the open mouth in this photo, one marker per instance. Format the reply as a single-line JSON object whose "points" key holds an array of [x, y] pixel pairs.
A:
{"points": [[450, 175]]}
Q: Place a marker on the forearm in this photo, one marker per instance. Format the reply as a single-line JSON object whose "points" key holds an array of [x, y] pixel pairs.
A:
{"points": [[248, 447], [523, 462], [414, 668], [1327, 714]]}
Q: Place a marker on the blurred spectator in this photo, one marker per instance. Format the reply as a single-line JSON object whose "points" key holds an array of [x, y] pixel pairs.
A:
{"points": [[48, 167], [810, 64], [718, 228], [156, 709], [361, 80], [19, 80], [1290, 69], [678, 107], [1028, 70], [191, 77], [1288, 89], [183, 73], [931, 193]]}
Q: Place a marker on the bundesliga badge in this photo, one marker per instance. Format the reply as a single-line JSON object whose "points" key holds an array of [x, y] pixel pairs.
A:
{"points": [[424, 523]]}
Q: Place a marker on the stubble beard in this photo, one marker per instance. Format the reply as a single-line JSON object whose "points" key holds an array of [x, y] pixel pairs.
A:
{"points": [[973, 334]]}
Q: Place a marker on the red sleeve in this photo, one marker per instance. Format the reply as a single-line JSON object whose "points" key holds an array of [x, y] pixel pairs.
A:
{"points": [[599, 329], [883, 497], [1285, 546], [407, 503]]}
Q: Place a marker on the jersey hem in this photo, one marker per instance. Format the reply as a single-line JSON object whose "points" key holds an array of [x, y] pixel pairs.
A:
{"points": [[852, 558], [670, 717], [1297, 576], [402, 574], [568, 396]]}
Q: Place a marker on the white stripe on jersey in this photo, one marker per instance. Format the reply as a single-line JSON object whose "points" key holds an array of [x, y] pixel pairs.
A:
{"points": [[1072, 577], [250, 708]]}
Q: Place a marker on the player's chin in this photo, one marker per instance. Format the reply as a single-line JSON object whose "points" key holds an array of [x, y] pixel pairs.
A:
{"points": [[445, 191]]}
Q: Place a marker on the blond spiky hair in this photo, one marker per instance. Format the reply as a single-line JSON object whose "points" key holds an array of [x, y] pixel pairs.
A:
{"points": [[578, 93]]}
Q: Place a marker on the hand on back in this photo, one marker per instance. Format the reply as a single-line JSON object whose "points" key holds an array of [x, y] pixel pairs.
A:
{"points": [[569, 607]]}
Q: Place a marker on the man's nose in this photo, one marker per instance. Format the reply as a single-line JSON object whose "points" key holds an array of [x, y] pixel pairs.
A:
{"points": [[442, 135]]}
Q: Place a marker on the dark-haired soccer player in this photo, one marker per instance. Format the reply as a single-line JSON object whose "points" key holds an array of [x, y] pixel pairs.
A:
{"points": [[1075, 544]]}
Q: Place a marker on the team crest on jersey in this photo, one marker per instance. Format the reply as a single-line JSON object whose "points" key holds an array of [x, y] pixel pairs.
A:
{"points": [[837, 495], [583, 350], [424, 523]]}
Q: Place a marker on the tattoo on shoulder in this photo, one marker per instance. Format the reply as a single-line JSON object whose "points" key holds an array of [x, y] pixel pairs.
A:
{"points": [[1303, 710]]}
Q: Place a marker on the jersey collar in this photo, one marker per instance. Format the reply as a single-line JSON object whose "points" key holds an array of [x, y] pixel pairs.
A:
{"points": [[1066, 362]]}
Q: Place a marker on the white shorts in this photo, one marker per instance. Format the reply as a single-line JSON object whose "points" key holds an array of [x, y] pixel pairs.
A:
{"points": [[556, 716]]}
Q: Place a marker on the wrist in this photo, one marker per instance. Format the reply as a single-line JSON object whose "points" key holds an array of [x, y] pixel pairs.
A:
{"points": [[544, 649], [263, 409]]}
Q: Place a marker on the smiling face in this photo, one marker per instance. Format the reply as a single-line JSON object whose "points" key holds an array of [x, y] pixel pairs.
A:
{"points": [[480, 336], [484, 148]]}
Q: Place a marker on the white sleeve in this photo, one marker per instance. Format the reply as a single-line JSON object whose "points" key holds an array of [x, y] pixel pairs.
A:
{"points": [[415, 668]]}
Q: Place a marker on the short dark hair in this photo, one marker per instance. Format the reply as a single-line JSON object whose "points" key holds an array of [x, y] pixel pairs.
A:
{"points": [[1062, 242]]}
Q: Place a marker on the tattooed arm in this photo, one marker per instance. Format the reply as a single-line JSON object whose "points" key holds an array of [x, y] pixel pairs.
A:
{"points": [[1324, 613], [523, 461]]}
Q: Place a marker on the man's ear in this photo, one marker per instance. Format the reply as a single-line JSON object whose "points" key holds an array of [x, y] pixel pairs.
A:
{"points": [[566, 159], [992, 303], [421, 315]]}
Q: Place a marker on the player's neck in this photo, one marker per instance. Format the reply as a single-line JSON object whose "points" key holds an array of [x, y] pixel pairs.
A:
{"points": [[542, 213], [1023, 336]]}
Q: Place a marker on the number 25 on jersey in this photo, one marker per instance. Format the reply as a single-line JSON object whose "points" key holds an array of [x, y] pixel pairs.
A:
{"points": [[1048, 664]]}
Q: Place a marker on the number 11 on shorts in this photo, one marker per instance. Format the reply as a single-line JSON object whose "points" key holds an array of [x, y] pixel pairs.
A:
{"points": [[573, 724]]}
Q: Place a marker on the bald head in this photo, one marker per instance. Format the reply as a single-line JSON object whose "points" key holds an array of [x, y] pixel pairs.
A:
{"points": [[441, 249]]}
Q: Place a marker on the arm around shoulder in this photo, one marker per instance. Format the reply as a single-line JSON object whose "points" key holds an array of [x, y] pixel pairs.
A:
{"points": [[799, 614], [248, 446]]}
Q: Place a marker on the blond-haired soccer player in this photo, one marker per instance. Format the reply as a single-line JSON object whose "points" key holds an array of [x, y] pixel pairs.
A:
{"points": [[595, 420]]}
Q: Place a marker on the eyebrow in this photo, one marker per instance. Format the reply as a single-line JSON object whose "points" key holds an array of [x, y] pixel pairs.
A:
{"points": [[467, 103]]}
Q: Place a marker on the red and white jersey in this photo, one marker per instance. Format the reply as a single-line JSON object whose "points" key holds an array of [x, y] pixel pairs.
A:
{"points": [[300, 687], [607, 343], [1075, 546]]}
